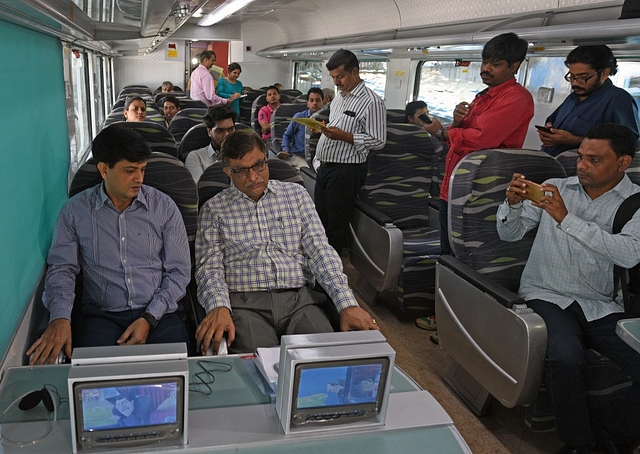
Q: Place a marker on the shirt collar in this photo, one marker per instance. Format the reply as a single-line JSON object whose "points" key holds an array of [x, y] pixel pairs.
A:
{"points": [[357, 91], [494, 91], [211, 152], [102, 197], [239, 195], [624, 188]]}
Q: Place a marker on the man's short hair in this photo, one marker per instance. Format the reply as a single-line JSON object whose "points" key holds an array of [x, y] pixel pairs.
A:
{"points": [[174, 100], [507, 46], [413, 107], [239, 143], [219, 113], [329, 93], [117, 142], [343, 57], [168, 84], [598, 57], [621, 139], [129, 99], [271, 87], [207, 54], [317, 91]]}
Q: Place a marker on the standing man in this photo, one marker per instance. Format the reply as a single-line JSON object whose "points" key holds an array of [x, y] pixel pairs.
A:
{"points": [[568, 281], [498, 117], [259, 247], [220, 121], [594, 100], [170, 108], [264, 114], [293, 138], [357, 125], [130, 244], [202, 86]]}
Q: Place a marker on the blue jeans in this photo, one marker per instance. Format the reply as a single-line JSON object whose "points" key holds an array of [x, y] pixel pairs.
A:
{"points": [[568, 334]]}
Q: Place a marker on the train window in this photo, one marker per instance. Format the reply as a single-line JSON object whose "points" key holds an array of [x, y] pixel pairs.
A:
{"points": [[307, 74], [628, 77], [374, 74], [444, 84], [95, 88], [81, 114]]}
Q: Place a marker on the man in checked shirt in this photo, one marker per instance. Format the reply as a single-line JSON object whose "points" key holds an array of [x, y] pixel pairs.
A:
{"points": [[260, 244]]}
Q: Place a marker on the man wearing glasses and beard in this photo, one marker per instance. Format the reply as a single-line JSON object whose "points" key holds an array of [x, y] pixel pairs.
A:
{"points": [[594, 100]]}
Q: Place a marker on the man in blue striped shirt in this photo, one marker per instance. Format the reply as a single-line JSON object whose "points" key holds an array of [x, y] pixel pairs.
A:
{"points": [[357, 125], [130, 244], [260, 244]]}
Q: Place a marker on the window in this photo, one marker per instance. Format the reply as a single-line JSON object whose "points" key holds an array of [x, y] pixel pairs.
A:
{"points": [[307, 74], [374, 74], [78, 113], [445, 84]]}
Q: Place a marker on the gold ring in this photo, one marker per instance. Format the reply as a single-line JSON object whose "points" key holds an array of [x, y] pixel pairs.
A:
{"points": [[374, 321]]}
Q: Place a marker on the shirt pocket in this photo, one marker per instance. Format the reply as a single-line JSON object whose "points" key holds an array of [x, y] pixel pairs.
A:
{"points": [[285, 232]]}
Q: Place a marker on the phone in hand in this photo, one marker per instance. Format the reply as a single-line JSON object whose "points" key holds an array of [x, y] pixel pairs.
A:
{"points": [[533, 190], [425, 119], [543, 129]]}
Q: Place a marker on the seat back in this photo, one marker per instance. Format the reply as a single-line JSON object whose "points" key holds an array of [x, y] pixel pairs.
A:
{"points": [[399, 176], [259, 103], [280, 121], [213, 179], [158, 136], [396, 116], [246, 104], [138, 90], [477, 189], [568, 160], [184, 120], [195, 138]]}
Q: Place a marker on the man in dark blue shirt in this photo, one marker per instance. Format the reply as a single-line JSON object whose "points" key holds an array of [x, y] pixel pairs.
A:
{"points": [[594, 100]]}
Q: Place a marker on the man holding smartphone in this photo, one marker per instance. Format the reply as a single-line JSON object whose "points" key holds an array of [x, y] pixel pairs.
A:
{"points": [[417, 114], [568, 281], [497, 118], [594, 100]]}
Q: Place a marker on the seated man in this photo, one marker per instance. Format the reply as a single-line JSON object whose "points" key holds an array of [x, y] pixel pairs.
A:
{"points": [[167, 86], [264, 114], [170, 108], [293, 138], [220, 121], [568, 279], [260, 243], [130, 243], [135, 109], [417, 111]]}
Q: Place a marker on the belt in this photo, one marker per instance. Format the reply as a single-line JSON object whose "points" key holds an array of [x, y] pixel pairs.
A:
{"points": [[330, 164]]}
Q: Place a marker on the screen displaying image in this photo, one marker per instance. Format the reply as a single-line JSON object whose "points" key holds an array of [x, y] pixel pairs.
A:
{"points": [[339, 385], [142, 405]]}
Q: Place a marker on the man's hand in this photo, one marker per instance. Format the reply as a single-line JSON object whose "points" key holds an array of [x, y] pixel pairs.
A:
{"points": [[515, 188], [552, 203], [234, 96], [460, 113], [433, 127], [213, 327], [337, 134], [356, 319], [283, 155], [136, 333], [558, 137], [56, 337]]}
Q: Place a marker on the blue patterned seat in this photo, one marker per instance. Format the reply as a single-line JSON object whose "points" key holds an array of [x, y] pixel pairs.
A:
{"points": [[184, 120], [398, 251], [280, 120], [246, 103], [158, 136], [477, 309], [258, 103]]}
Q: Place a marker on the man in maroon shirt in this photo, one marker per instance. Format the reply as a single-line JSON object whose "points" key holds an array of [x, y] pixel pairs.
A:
{"points": [[498, 117]]}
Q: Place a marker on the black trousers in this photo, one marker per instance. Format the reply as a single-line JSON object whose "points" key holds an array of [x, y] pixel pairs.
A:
{"points": [[337, 186]]}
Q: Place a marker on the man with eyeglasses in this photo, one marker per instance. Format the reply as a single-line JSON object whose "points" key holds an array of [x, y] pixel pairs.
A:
{"points": [[220, 121], [594, 100], [259, 247]]}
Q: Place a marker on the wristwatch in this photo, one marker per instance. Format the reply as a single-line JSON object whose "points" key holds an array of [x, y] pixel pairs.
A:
{"points": [[439, 134], [150, 319]]}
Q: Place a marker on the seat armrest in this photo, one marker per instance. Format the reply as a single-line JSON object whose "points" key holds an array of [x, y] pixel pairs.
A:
{"points": [[505, 297], [377, 215]]}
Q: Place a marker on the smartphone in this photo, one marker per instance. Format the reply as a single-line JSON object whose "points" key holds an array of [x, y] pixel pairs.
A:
{"points": [[534, 191], [544, 129], [425, 119]]}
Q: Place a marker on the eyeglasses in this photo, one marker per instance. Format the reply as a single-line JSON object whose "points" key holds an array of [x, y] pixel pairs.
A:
{"points": [[243, 172], [580, 79]]}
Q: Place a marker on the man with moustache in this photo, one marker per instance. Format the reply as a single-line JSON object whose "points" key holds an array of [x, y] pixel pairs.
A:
{"points": [[594, 100], [260, 245], [357, 125], [497, 118], [129, 243]]}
